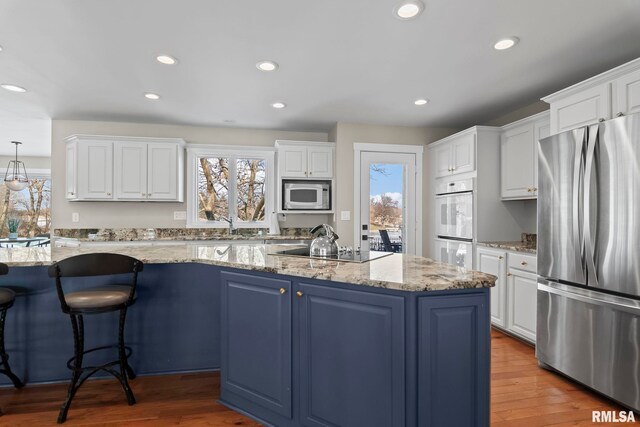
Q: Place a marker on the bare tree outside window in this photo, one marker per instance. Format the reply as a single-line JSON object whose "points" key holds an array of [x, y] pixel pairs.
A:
{"points": [[32, 206], [250, 181]]}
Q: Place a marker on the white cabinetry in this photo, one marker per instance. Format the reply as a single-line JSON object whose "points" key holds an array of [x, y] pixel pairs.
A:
{"points": [[514, 298], [457, 155], [124, 168], [494, 262], [300, 159], [519, 157], [602, 97]]}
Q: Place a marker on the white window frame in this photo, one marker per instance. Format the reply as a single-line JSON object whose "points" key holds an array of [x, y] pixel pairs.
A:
{"points": [[197, 151]]}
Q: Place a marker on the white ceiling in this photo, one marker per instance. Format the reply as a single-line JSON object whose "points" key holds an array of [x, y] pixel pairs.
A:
{"points": [[340, 60]]}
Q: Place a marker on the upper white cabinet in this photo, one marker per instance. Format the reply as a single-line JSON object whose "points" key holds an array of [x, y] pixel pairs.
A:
{"points": [[457, 154], [301, 159], [124, 168], [519, 156], [602, 97]]}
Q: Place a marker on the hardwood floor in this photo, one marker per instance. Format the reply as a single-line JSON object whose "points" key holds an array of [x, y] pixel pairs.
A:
{"points": [[522, 394]]}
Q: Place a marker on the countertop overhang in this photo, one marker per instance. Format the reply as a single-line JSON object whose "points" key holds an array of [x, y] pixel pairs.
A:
{"points": [[397, 272]]}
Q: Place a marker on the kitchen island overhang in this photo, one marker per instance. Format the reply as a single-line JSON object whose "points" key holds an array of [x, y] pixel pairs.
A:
{"points": [[407, 339]]}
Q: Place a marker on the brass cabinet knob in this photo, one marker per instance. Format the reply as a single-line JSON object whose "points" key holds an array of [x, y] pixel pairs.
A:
{"points": [[535, 189], [509, 274], [523, 263], [299, 293], [500, 257], [108, 194], [282, 290], [71, 193]]}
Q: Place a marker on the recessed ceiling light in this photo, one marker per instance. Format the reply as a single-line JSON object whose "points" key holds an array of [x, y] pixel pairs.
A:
{"points": [[166, 59], [13, 88], [421, 101], [408, 9], [278, 105], [150, 95], [267, 66], [506, 43]]}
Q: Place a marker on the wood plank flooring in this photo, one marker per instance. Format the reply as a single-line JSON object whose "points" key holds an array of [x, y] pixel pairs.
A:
{"points": [[522, 394]]}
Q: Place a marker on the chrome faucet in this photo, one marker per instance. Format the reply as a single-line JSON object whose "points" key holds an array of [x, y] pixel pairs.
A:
{"points": [[232, 228]]}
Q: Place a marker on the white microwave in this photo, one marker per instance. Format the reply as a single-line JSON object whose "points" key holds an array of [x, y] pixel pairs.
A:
{"points": [[301, 195]]}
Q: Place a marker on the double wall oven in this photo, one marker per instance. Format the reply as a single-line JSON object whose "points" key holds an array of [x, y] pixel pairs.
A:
{"points": [[454, 222]]}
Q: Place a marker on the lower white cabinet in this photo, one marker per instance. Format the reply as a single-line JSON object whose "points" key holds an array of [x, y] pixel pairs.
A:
{"points": [[514, 298]]}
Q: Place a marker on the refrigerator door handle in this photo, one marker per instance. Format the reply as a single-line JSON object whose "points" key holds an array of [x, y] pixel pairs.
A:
{"points": [[589, 235], [591, 297], [578, 223]]}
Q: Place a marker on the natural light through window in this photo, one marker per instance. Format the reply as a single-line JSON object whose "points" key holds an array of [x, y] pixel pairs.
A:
{"points": [[29, 209], [229, 185]]}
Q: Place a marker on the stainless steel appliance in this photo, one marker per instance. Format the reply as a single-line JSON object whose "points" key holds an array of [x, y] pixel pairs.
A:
{"points": [[326, 244], [454, 222], [588, 319], [306, 195]]}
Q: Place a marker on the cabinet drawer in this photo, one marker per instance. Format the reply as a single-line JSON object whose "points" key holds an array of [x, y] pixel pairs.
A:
{"points": [[523, 262]]}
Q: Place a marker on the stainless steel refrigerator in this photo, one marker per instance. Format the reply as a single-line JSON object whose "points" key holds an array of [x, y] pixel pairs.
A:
{"points": [[588, 323]]}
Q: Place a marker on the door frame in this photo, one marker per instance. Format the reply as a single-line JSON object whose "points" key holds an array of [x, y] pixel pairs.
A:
{"points": [[358, 149]]}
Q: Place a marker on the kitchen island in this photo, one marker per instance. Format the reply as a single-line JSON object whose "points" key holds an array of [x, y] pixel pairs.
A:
{"points": [[401, 340]]}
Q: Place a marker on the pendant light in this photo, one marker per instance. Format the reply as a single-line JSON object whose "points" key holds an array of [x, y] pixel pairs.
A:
{"points": [[13, 178]]}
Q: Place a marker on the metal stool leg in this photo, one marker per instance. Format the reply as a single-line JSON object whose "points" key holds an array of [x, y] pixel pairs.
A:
{"points": [[125, 370], [4, 358], [77, 324]]}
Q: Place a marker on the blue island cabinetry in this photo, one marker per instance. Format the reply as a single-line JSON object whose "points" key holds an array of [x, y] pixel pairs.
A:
{"points": [[302, 352]]}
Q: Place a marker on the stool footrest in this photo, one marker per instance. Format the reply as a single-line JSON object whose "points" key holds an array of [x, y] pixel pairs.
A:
{"points": [[127, 350]]}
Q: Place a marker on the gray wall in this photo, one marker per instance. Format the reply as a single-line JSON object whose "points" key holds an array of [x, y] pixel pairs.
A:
{"points": [[139, 214]]}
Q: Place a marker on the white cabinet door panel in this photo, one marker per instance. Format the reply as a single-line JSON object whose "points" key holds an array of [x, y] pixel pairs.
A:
{"points": [[628, 91], [443, 160], [518, 162], [542, 130], [494, 262], [463, 154], [162, 172], [320, 162], [130, 166], [293, 162], [71, 172], [522, 291], [581, 109], [95, 170]]}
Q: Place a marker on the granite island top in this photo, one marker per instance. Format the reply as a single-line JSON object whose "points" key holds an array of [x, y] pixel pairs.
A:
{"points": [[397, 271], [527, 247]]}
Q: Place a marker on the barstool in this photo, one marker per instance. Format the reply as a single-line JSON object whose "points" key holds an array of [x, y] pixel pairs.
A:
{"points": [[7, 297], [104, 299]]}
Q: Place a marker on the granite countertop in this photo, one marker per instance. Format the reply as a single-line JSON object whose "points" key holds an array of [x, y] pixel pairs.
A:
{"points": [[239, 237], [528, 247], [397, 271]]}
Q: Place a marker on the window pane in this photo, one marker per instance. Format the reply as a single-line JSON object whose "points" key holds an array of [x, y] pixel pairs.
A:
{"points": [[31, 207], [213, 188], [251, 175]]}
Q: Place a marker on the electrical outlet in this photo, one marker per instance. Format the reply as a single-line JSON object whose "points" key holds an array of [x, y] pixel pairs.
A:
{"points": [[75, 217], [179, 215], [345, 215]]}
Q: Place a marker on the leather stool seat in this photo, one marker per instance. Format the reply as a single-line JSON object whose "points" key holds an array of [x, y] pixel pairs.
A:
{"points": [[100, 297], [6, 296]]}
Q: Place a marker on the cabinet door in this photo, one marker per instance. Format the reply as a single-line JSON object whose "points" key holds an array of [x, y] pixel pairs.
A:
{"points": [[320, 162], [453, 360], [517, 153], [162, 171], [71, 171], [463, 154], [256, 340], [292, 161], [542, 130], [130, 169], [494, 262], [628, 91], [95, 170], [522, 305], [345, 335], [443, 160], [581, 109]]}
